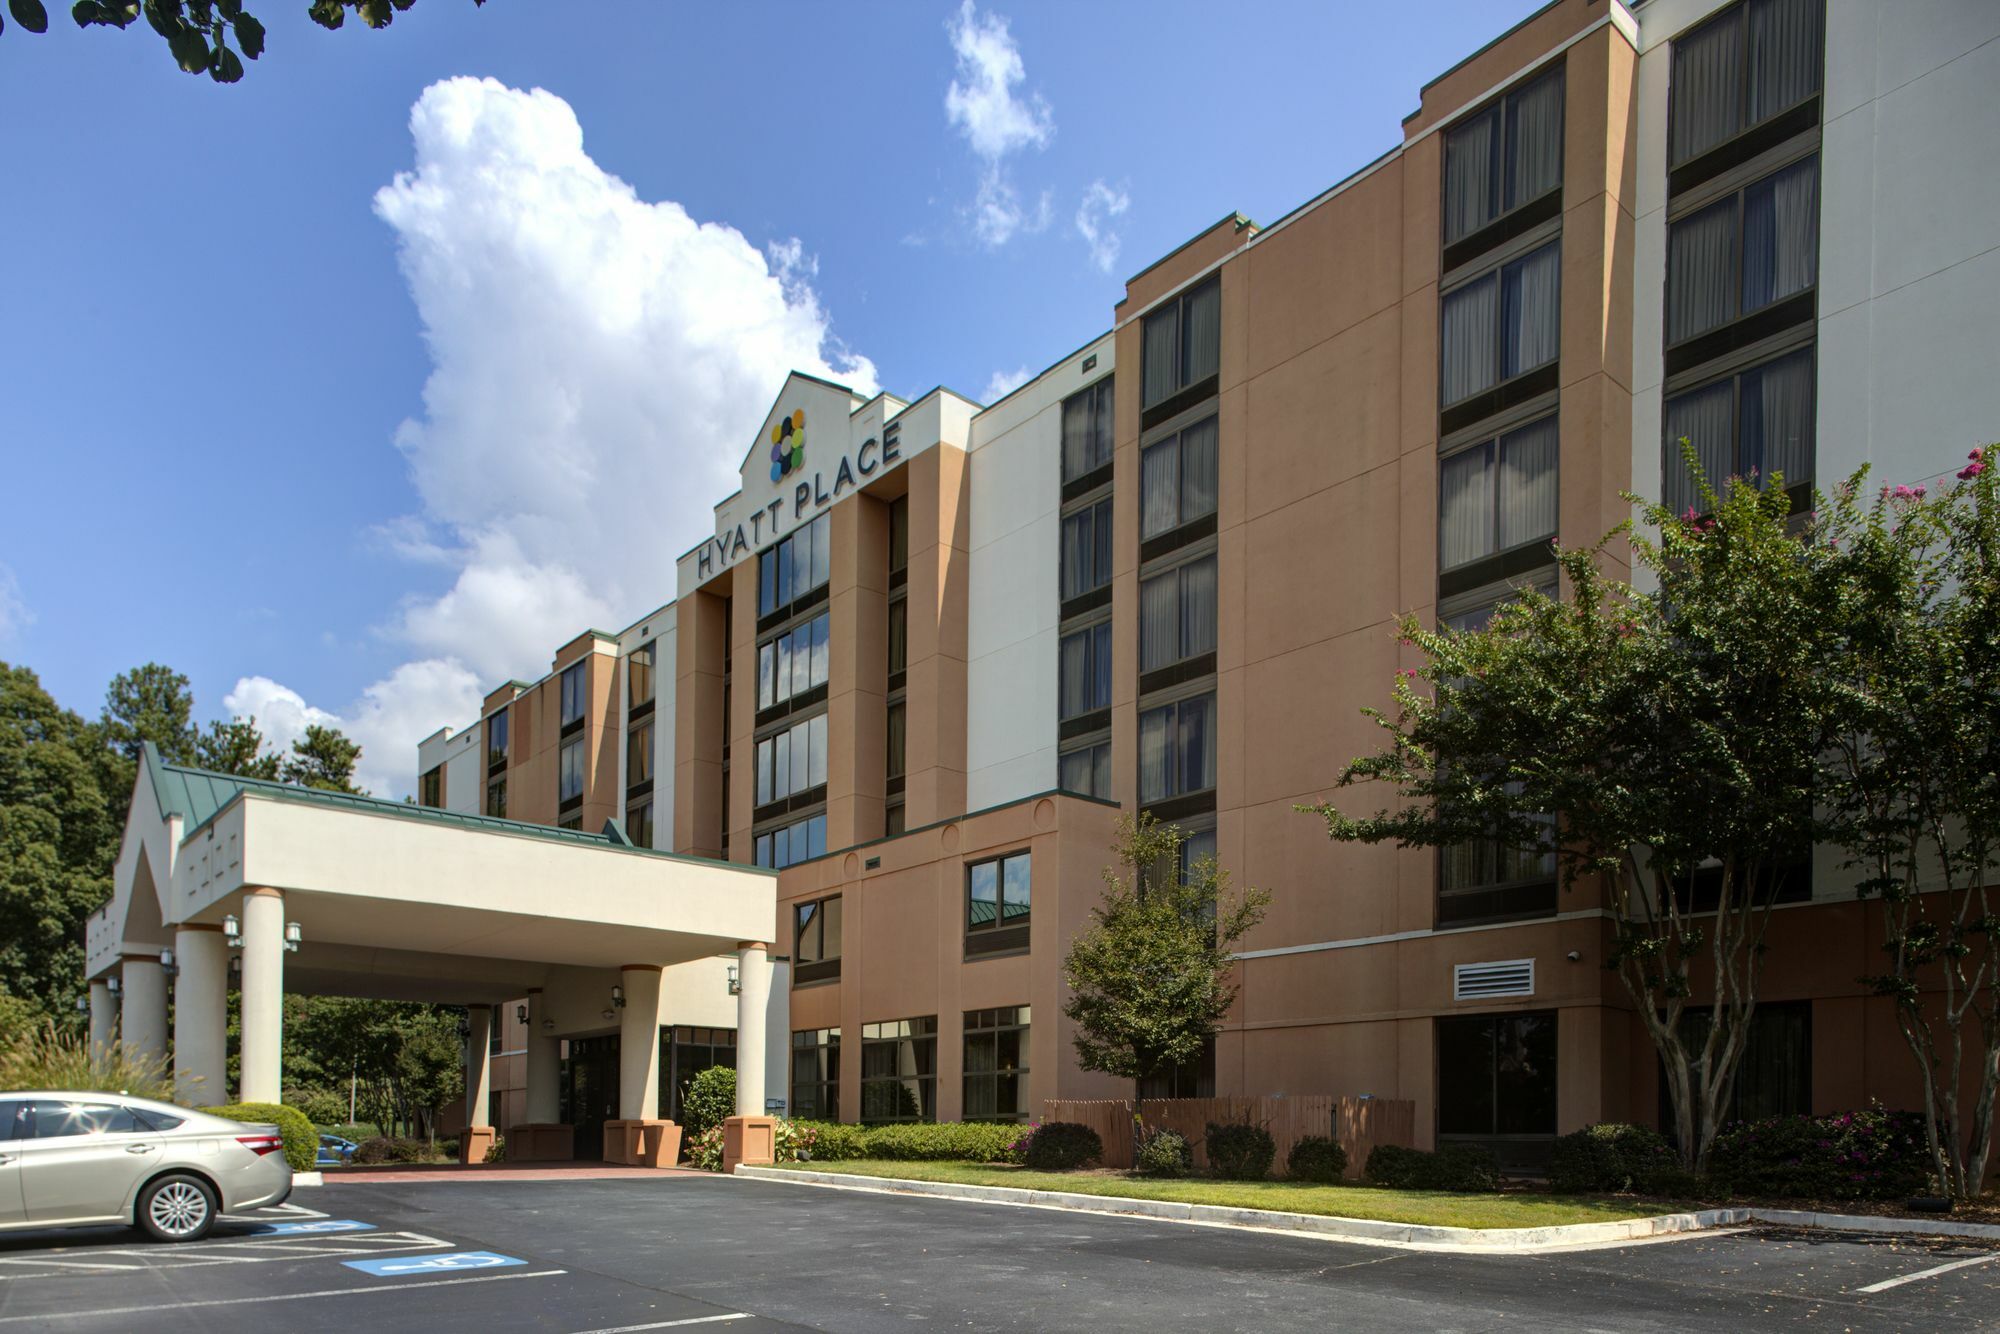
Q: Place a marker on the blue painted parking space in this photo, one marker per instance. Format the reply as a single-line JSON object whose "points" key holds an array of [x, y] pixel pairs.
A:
{"points": [[405, 1266], [308, 1227]]}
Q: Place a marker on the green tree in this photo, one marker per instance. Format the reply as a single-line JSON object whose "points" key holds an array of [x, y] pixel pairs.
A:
{"points": [[323, 758], [236, 747], [1916, 789], [1153, 974], [198, 32], [405, 1059], [1664, 746], [149, 703], [57, 843]]}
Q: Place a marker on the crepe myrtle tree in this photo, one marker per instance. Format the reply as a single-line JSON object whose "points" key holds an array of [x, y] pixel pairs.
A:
{"points": [[1664, 744], [1916, 791], [1153, 974], [198, 33]]}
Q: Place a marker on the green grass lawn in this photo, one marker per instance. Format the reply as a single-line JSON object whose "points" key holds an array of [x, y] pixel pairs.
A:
{"points": [[1435, 1208]]}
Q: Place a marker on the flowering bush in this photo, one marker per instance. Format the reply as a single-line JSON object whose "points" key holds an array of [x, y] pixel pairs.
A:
{"points": [[1867, 1155]]}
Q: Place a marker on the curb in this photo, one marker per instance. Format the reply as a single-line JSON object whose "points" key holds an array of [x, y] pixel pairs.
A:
{"points": [[1414, 1235]]}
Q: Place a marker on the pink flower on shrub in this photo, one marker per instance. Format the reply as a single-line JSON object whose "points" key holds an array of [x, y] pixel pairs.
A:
{"points": [[1970, 471]]}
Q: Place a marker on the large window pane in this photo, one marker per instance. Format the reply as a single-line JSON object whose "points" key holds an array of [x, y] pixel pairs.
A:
{"points": [[1162, 354], [1197, 610], [1471, 174], [1085, 657], [1155, 735], [1740, 69], [1159, 616], [1471, 330], [1505, 156], [571, 770], [1701, 271], [1204, 332], [1183, 342], [639, 755], [1527, 484], [1781, 235], [1087, 430], [1531, 289], [1534, 156], [1777, 426], [1198, 470], [1784, 55], [639, 676], [1465, 507], [1086, 549], [1465, 1076], [1159, 487], [1016, 881], [1086, 770], [1704, 418], [1707, 87]]}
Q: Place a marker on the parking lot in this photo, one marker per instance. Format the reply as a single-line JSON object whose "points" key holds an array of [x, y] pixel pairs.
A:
{"points": [[639, 1253]]}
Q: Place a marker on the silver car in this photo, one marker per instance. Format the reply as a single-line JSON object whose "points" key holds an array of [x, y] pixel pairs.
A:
{"points": [[77, 1158]]}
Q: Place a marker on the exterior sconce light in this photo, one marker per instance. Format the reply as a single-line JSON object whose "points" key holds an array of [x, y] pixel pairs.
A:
{"points": [[114, 984], [735, 983], [232, 931], [520, 1014], [1575, 956], [464, 1028], [617, 997], [167, 964], [83, 1005], [293, 935]]}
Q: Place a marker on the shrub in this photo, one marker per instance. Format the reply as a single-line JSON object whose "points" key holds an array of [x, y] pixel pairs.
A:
{"points": [[1458, 1167], [825, 1141], [704, 1150], [946, 1141], [496, 1152], [1060, 1146], [301, 1140], [46, 1057], [1612, 1156], [1240, 1152], [322, 1107], [1163, 1153], [708, 1100], [1316, 1158], [1869, 1155], [392, 1149]]}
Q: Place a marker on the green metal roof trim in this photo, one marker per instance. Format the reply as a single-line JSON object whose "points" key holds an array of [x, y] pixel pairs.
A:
{"points": [[198, 796]]}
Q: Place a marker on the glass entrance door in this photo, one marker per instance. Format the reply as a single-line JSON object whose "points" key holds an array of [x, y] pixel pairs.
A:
{"points": [[590, 1091]]}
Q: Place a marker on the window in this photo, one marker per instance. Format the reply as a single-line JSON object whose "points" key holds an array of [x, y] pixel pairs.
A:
{"points": [[1177, 749], [1754, 423], [1474, 610], [794, 567], [572, 694], [792, 761], [1744, 252], [570, 771], [996, 1064], [1740, 69], [1198, 846], [1183, 342], [1177, 479], [1502, 324], [639, 755], [899, 534], [639, 822], [816, 940], [496, 798], [16, 1120], [796, 842], [1508, 155], [1086, 549], [898, 739], [574, 820], [895, 818], [496, 740], [899, 1070], [61, 1120], [899, 636], [1193, 1078], [1496, 495], [1774, 1078], [1086, 770], [1486, 880], [1177, 614], [998, 892], [639, 676], [430, 787], [1496, 1076], [1086, 430], [1084, 658], [793, 663], [686, 1051], [816, 1074]]}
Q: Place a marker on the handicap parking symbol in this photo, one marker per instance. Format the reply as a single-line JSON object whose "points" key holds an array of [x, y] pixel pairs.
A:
{"points": [[311, 1226], [402, 1266]]}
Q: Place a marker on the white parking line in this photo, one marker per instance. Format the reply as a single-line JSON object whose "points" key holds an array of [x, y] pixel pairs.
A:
{"points": [[672, 1324], [248, 1251], [1888, 1283], [276, 1297], [67, 1264]]}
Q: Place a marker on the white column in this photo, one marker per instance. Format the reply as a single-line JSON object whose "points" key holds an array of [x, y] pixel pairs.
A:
{"points": [[544, 1065], [263, 995], [103, 1016], [478, 1062], [143, 1000], [639, 1043], [201, 1016], [753, 997]]}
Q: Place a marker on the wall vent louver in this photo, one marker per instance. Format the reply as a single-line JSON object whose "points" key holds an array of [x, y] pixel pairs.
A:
{"points": [[1483, 981]]}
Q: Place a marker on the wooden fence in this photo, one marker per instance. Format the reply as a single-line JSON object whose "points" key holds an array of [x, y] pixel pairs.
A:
{"points": [[1359, 1124]]}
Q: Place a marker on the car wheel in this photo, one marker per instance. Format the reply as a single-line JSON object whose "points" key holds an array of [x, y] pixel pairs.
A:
{"points": [[177, 1207]]}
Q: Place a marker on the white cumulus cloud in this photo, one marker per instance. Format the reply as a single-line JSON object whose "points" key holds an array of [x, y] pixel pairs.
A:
{"points": [[15, 614], [599, 364], [1004, 383], [996, 121], [1100, 204]]}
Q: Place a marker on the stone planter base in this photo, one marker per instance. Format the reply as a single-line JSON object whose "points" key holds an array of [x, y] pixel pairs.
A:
{"points": [[541, 1142], [749, 1139], [474, 1141], [642, 1143]]}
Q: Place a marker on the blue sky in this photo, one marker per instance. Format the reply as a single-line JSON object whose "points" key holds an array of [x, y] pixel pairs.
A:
{"points": [[336, 453]]}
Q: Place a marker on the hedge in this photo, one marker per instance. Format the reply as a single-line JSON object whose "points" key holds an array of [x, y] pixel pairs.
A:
{"points": [[391, 1149], [943, 1141], [1061, 1146], [1868, 1155], [1163, 1153], [1316, 1158], [1612, 1156], [1240, 1152], [301, 1140], [1461, 1167]]}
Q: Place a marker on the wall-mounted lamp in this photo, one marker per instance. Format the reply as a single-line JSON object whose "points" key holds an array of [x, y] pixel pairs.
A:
{"points": [[520, 1014], [293, 935], [548, 1025], [617, 997], [83, 1005], [735, 983], [167, 964], [235, 964], [232, 931], [114, 985], [1574, 956]]}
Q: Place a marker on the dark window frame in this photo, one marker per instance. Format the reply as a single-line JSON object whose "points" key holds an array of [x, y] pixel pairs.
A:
{"points": [[988, 1025], [824, 1043], [1495, 271], [920, 1035], [1727, 148], [1185, 383], [572, 684], [813, 958], [1501, 108], [1097, 401]]}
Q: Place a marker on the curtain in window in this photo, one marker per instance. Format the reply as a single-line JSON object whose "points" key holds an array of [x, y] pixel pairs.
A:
{"points": [[1465, 507], [1159, 487], [1102, 419], [898, 740], [1100, 666], [1701, 271], [1198, 470], [1781, 235], [1703, 418], [1100, 543], [1159, 630], [1155, 725], [1197, 744], [1778, 418], [1076, 436], [1198, 607], [1204, 332], [1784, 55], [1468, 176], [1532, 288], [816, 738], [1077, 550], [1707, 81], [1075, 671], [1469, 329], [1163, 346], [1535, 139], [1073, 772], [1527, 484]]}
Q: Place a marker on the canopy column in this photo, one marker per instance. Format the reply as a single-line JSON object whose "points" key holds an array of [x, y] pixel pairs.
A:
{"points": [[263, 996], [201, 1015], [143, 1001], [103, 1015]]}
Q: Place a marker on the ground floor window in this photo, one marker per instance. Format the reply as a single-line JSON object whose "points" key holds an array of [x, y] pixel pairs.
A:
{"points": [[1775, 1075], [1193, 1078], [686, 1051], [996, 1064], [816, 1074], [1496, 1077], [899, 1070]]}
